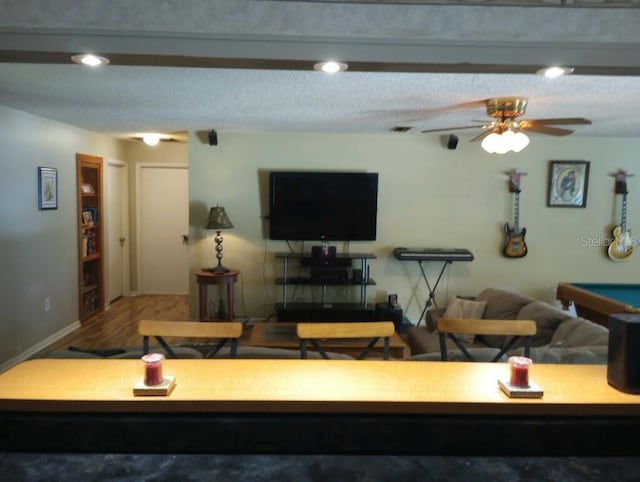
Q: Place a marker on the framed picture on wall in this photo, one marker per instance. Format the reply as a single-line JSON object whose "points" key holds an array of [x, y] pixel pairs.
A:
{"points": [[568, 183], [47, 188]]}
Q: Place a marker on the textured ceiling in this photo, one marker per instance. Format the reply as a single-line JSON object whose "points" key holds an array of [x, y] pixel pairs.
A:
{"points": [[420, 66], [133, 99]]}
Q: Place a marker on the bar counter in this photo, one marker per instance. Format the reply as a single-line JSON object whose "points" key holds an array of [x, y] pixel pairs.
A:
{"points": [[314, 406]]}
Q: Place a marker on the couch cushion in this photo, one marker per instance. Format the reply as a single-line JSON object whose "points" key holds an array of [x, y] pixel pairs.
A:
{"points": [[547, 319], [421, 341], [586, 355], [501, 305], [465, 310], [265, 352], [431, 318], [480, 354], [260, 353], [580, 332]]}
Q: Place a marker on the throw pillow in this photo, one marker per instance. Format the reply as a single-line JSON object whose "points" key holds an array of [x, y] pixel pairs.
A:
{"points": [[466, 310]]}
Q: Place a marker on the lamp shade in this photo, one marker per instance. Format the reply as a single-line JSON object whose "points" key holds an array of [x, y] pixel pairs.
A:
{"points": [[218, 219]]}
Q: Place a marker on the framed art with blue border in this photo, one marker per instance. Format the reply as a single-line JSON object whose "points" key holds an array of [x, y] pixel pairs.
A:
{"points": [[47, 188]]}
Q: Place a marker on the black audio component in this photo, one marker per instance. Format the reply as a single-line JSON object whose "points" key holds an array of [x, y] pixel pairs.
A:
{"points": [[323, 251], [329, 275], [623, 358]]}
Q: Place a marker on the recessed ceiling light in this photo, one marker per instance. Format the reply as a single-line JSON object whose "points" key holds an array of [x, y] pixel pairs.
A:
{"points": [[331, 67], [91, 60], [555, 71]]}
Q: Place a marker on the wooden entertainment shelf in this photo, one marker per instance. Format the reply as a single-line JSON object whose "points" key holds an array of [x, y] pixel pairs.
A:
{"points": [[325, 272]]}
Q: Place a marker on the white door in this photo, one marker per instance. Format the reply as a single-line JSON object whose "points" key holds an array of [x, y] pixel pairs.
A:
{"points": [[163, 229], [117, 229]]}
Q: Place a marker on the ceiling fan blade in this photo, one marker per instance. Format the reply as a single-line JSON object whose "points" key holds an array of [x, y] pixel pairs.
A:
{"points": [[482, 135], [561, 121], [552, 131], [454, 128]]}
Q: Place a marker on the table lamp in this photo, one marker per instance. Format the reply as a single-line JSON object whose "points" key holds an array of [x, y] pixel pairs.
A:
{"points": [[218, 220]]}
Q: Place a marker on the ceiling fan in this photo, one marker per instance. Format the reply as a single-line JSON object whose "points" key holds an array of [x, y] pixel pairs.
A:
{"points": [[505, 131]]}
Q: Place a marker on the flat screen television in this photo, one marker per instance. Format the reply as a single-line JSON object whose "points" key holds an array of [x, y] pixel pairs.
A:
{"points": [[332, 206]]}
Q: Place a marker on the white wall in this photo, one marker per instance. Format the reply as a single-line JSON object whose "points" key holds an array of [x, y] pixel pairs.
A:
{"points": [[39, 248], [428, 197]]}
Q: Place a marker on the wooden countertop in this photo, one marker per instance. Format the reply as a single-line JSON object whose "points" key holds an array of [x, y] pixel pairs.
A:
{"points": [[309, 386]]}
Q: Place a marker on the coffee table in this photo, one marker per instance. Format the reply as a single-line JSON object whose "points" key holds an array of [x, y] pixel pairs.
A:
{"points": [[283, 335]]}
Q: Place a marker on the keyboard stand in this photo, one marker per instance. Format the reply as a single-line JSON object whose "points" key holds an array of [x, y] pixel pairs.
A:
{"points": [[446, 255], [431, 300]]}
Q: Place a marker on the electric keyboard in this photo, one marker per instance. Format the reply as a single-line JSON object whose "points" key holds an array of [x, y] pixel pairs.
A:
{"points": [[432, 254]]}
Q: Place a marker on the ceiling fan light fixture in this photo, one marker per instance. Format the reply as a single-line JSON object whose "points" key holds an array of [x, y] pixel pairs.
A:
{"points": [[151, 138], [330, 67], [519, 141], [509, 140], [91, 60], [492, 143], [555, 71]]}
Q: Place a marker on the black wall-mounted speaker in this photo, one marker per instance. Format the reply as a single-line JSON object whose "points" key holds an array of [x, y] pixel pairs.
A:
{"points": [[623, 357], [452, 143], [213, 138]]}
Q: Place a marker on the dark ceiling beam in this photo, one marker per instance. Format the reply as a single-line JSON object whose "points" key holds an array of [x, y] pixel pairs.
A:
{"points": [[147, 60]]}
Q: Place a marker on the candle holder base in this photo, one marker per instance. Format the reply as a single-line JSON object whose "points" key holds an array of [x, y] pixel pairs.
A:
{"points": [[512, 391], [162, 389]]}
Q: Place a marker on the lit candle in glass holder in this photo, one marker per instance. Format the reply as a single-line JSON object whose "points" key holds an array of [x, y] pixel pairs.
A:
{"points": [[519, 370], [153, 368]]}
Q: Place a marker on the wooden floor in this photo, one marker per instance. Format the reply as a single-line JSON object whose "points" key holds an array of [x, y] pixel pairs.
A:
{"points": [[118, 326]]}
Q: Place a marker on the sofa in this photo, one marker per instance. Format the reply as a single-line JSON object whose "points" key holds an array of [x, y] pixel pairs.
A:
{"points": [[560, 338]]}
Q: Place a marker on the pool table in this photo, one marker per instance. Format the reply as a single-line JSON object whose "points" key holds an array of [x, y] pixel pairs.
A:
{"points": [[596, 301]]}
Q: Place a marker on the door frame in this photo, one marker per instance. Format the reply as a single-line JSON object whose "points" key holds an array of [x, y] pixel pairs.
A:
{"points": [[126, 251], [139, 167]]}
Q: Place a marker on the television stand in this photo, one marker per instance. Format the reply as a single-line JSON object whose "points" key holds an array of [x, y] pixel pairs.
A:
{"points": [[325, 272]]}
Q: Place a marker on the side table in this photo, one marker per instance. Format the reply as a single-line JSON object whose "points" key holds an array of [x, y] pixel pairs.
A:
{"points": [[206, 278]]}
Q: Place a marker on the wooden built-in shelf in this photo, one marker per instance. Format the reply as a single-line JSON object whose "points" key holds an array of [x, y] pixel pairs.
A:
{"points": [[90, 237]]}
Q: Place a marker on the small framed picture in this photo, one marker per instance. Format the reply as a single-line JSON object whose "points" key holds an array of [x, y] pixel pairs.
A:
{"points": [[47, 188], [87, 189], [90, 216], [568, 184]]}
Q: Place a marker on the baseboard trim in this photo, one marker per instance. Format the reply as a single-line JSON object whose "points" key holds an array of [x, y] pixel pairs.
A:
{"points": [[40, 346]]}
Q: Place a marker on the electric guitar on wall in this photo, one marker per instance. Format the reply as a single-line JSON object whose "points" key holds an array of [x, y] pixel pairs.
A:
{"points": [[621, 247], [514, 244]]}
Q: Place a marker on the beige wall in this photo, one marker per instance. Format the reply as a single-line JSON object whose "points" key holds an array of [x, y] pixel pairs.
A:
{"points": [[428, 197], [39, 248]]}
